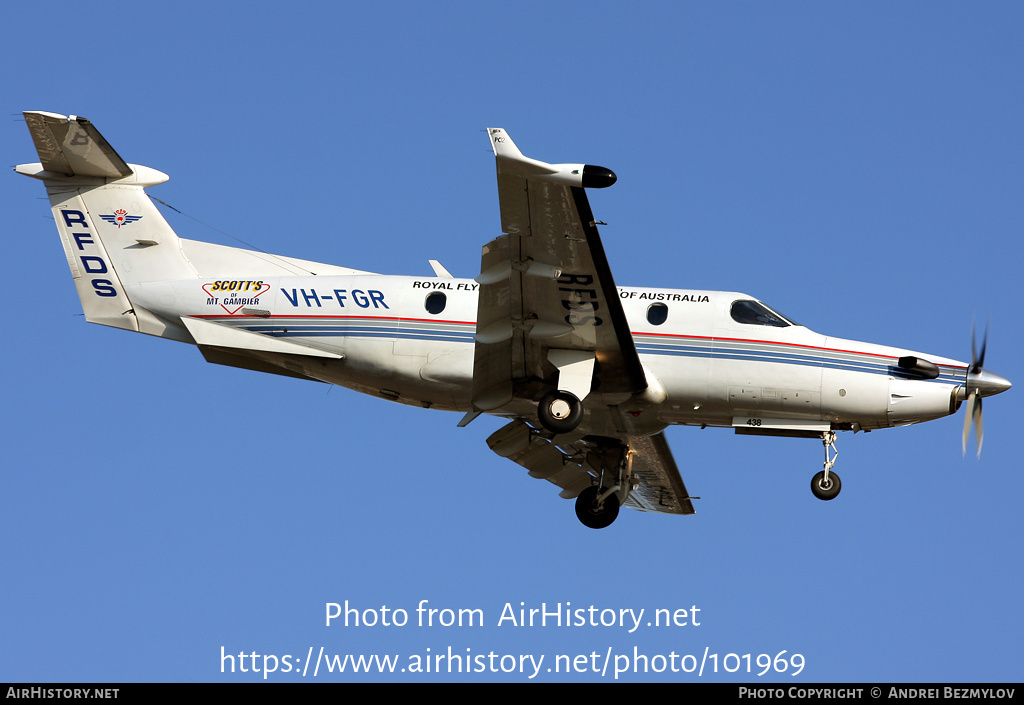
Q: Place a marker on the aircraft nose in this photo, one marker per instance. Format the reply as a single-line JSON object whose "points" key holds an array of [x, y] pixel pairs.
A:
{"points": [[989, 383]]}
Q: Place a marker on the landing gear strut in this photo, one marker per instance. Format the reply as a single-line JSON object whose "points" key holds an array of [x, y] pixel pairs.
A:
{"points": [[826, 485]]}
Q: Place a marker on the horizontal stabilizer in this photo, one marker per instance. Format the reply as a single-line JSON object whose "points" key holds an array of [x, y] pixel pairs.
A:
{"points": [[74, 147], [217, 335]]}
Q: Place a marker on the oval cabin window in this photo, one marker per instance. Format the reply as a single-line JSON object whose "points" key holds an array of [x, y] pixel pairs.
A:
{"points": [[657, 314], [436, 302]]}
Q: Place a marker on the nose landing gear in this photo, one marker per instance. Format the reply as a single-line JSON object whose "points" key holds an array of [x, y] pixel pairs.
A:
{"points": [[826, 485]]}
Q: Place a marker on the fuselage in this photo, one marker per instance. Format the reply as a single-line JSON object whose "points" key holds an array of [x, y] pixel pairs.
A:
{"points": [[712, 358]]}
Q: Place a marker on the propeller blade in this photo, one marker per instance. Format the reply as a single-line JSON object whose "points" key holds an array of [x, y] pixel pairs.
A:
{"points": [[974, 351], [977, 384], [980, 362], [978, 433], [968, 416]]}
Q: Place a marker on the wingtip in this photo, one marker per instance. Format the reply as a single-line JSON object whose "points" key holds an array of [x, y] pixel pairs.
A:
{"points": [[502, 144]]}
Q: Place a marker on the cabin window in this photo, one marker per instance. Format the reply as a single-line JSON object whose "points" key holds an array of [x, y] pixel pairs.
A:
{"points": [[755, 313], [657, 314], [436, 302]]}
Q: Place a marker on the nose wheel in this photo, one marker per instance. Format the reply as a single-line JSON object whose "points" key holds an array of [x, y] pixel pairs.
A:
{"points": [[826, 485]]}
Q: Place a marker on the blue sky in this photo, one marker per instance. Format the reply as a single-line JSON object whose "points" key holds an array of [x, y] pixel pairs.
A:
{"points": [[856, 166]]}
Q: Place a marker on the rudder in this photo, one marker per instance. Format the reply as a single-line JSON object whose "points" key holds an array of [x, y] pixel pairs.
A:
{"points": [[113, 235]]}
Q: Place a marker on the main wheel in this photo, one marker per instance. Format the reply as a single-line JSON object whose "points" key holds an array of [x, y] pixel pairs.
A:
{"points": [[560, 412], [592, 515], [825, 490]]}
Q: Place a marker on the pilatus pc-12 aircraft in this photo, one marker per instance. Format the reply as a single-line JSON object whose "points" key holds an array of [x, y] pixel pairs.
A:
{"points": [[587, 374]]}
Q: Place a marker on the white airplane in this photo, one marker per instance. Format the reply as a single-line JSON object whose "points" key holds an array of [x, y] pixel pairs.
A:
{"points": [[587, 373]]}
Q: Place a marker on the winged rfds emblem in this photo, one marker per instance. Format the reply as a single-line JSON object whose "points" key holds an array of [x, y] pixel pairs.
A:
{"points": [[120, 217]]}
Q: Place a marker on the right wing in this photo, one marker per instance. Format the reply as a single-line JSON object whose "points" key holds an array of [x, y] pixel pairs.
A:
{"points": [[658, 485]]}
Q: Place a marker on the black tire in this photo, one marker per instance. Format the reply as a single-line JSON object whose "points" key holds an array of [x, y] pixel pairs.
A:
{"points": [[560, 412], [823, 491], [588, 512]]}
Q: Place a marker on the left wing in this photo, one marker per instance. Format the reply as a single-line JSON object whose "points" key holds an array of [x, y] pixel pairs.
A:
{"points": [[547, 299], [657, 485]]}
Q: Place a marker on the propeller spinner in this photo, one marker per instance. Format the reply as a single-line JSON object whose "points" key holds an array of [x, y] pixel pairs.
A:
{"points": [[979, 383]]}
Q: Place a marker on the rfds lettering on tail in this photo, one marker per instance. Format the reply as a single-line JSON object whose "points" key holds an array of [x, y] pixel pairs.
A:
{"points": [[587, 374]]}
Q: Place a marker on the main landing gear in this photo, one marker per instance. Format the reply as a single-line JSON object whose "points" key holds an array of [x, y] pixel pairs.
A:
{"points": [[560, 411], [597, 508], [826, 485], [611, 464]]}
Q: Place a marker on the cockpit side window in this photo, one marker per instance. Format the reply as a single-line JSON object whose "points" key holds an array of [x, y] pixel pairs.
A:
{"points": [[754, 313]]}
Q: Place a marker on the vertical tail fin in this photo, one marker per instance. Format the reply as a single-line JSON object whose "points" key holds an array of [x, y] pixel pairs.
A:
{"points": [[114, 236]]}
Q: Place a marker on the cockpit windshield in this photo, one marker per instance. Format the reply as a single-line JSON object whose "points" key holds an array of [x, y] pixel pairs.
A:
{"points": [[756, 313]]}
